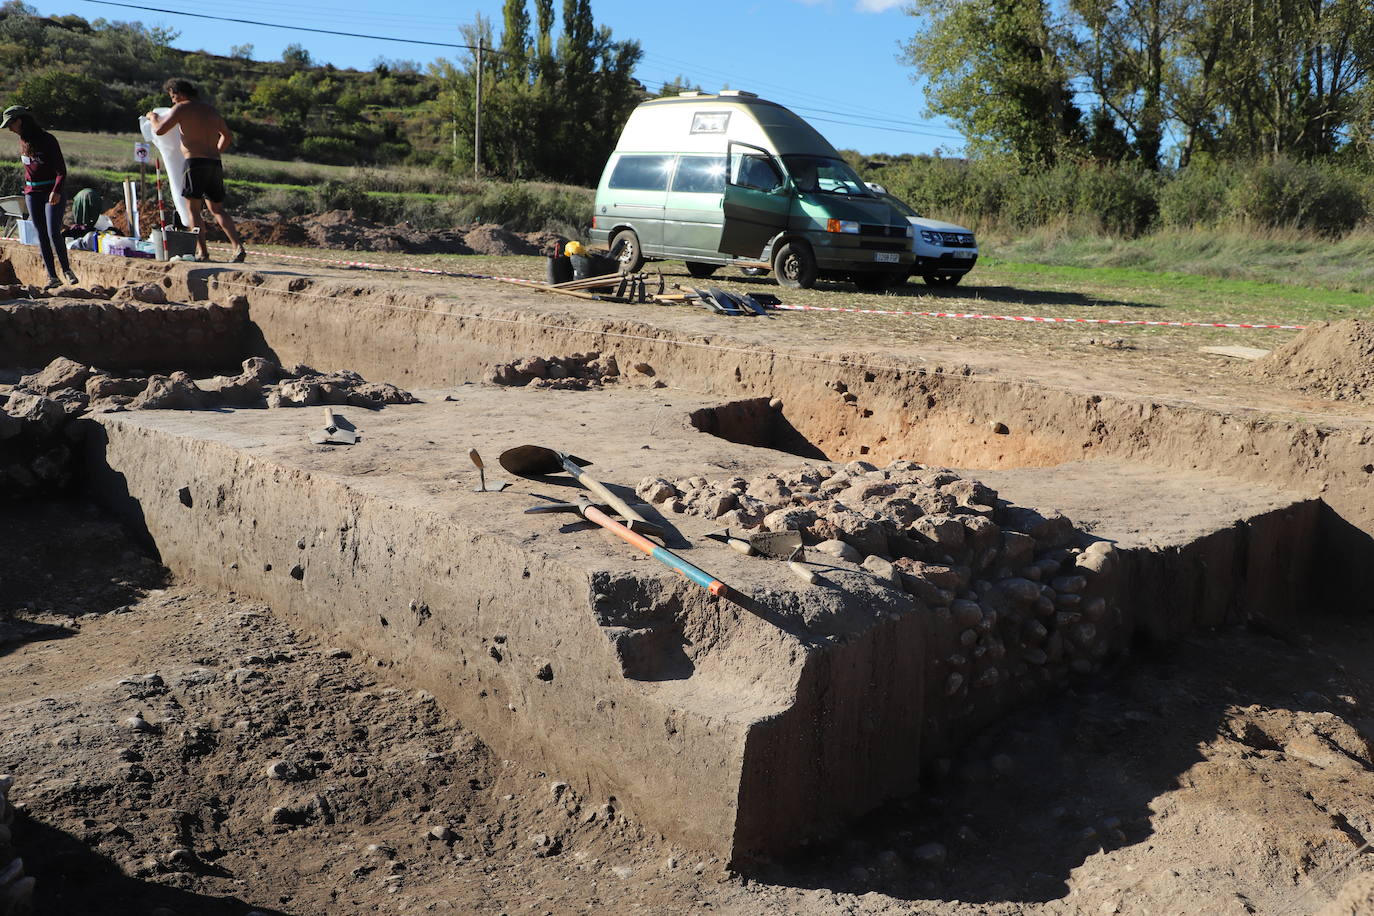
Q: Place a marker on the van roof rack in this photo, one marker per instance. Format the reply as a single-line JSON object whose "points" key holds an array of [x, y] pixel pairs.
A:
{"points": [[689, 94], [740, 92]]}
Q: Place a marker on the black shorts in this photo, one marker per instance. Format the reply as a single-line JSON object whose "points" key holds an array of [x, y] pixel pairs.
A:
{"points": [[204, 180]]}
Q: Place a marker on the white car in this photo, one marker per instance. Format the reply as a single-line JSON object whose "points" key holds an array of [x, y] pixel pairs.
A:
{"points": [[944, 251]]}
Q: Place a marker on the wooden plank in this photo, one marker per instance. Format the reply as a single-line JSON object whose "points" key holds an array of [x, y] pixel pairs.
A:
{"points": [[1235, 352]]}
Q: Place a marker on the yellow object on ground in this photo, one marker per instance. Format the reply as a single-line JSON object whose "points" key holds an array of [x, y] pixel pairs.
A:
{"points": [[573, 248]]}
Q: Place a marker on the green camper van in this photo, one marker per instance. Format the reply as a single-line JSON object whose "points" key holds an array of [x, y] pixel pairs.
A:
{"points": [[732, 179]]}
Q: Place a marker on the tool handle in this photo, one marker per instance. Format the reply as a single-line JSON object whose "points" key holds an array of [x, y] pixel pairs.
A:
{"points": [[601, 490], [661, 554]]}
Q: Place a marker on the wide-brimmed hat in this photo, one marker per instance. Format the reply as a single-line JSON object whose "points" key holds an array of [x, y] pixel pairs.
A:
{"points": [[14, 111]]}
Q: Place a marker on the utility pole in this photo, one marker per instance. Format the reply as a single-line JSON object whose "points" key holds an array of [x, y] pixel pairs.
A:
{"points": [[477, 128]]}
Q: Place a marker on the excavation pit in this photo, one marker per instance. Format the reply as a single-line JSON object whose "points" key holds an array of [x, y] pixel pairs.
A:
{"points": [[735, 727]]}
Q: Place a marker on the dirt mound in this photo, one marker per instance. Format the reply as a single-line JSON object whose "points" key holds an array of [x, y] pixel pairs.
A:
{"points": [[498, 240], [272, 230], [1331, 359]]}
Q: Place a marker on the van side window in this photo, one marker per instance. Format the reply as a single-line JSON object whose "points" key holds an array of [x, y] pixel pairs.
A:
{"points": [[641, 173], [753, 170], [700, 175]]}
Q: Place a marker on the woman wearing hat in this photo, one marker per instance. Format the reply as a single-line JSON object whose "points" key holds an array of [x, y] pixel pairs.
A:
{"points": [[44, 172]]}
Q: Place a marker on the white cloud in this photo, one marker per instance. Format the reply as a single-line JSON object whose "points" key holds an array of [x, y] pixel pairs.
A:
{"points": [[877, 6]]}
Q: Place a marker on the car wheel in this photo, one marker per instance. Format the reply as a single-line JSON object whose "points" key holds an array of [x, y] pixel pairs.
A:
{"points": [[794, 266], [631, 256], [699, 270]]}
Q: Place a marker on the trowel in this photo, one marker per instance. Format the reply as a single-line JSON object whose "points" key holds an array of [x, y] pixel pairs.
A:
{"points": [[337, 431], [780, 545], [496, 486]]}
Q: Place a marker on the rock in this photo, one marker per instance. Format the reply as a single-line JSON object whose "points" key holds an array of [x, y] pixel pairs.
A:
{"points": [[839, 550], [966, 613], [442, 834], [953, 683], [295, 393], [1019, 591], [151, 293], [791, 519], [175, 392], [1068, 584], [930, 855], [373, 394], [43, 414], [101, 385], [58, 374], [656, 490], [883, 569], [139, 724], [775, 403], [280, 769], [624, 872], [945, 530]]}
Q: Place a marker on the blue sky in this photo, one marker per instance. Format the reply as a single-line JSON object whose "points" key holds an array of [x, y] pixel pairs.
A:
{"points": [[835, 62]]}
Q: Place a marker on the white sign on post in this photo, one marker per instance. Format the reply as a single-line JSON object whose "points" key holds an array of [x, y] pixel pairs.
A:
{"points": [[141, 153]]}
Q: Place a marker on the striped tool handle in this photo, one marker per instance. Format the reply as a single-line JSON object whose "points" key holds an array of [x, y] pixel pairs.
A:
{"points": [[661, 554]]}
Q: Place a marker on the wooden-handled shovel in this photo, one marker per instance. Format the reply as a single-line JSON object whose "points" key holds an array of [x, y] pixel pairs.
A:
{"points": [[525, 460]]}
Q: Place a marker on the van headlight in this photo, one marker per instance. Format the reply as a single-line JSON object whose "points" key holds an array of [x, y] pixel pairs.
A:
{"points": [[842, 225]]}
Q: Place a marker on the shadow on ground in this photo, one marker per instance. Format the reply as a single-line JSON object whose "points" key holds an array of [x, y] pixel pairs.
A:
{"points": [[74, 878], [1034, 797]]}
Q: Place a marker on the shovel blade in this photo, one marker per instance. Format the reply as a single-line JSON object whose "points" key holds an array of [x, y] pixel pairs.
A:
{"points": [[526, 460]]}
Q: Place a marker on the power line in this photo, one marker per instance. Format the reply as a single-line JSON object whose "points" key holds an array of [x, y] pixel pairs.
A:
{"points": [[294, 28], [900, 130]]}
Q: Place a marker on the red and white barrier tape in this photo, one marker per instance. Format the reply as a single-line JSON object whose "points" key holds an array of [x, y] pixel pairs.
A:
{"points": [[1030, 319], [1035, 318]]}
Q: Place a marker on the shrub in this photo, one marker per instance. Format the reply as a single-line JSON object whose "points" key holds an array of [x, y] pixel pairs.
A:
{"points": [[341, 195], [1195, 197], [1298, 195], [331, 150]]}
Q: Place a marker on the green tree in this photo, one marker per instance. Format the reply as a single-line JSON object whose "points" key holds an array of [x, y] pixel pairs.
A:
{"points": [[294, 55], [61, 99], [995, 68]]}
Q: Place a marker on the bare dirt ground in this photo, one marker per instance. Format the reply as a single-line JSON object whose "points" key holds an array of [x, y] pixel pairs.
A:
{"points": [[187, 753], [179, 752]]}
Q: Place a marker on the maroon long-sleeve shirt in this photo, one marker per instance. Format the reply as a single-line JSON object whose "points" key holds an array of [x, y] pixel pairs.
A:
{"points": [[44, 167]]}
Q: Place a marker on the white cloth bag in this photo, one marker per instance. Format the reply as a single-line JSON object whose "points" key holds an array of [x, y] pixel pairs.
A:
{"points": [[173, 161]]}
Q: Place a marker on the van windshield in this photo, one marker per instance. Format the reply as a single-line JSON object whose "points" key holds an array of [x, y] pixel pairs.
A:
{"points": [[826, 175]]}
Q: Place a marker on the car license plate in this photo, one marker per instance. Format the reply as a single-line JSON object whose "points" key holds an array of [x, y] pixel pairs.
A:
{"points": [[886, 257]]}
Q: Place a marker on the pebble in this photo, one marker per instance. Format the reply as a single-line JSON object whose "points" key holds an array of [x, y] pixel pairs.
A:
{"points": [[441, 833], [775, 403], [138, 724], [883, 569], [280, 769], [839, 549]]}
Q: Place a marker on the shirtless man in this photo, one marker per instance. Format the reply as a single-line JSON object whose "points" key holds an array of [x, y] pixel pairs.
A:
{"points": [[204, 137]]}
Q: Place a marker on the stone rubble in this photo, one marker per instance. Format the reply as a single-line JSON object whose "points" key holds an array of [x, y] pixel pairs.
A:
{"points": [[39, 432], [1018, 600], [577, 372]]}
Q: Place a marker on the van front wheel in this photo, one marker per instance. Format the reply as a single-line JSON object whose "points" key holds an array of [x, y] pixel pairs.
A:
{"points": [[699, 270], [795, 266], [625, 247]]}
